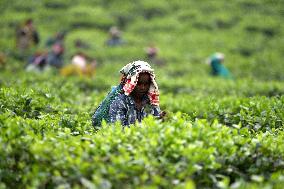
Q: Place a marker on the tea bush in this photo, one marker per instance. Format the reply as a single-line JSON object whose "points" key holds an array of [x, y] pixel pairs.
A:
{"points": [[217, 133]]}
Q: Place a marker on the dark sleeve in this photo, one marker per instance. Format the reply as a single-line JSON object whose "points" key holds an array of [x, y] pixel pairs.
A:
{"points": [[155, 111], [118, 111], [36, 37]]}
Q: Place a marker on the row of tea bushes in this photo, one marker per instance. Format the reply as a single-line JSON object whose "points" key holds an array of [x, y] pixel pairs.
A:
{"points": [[175, 153]]}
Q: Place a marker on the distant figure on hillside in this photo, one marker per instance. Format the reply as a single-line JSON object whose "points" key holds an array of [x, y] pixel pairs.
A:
{"points": [[133, 99], [151, 51], [55, 56], [80, 66], [57, 38], [80, 44], [217, 66], [27, 37], [37, 62], [152, 55], [115, 37], [2, 60]]}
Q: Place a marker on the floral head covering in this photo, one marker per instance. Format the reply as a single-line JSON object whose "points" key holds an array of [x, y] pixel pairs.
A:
{"points": [[131, 74]]}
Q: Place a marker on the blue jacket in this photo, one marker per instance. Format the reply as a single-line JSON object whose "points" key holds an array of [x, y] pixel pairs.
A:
{"points": [[123, 109]]}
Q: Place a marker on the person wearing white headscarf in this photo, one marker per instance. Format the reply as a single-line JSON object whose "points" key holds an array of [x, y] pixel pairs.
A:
{"points": [[139, 96]]}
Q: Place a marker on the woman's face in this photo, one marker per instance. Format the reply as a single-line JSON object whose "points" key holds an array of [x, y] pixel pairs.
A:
{"points": [[143, 84]]}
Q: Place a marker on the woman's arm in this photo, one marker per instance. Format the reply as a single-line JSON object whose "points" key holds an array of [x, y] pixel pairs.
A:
{"points": [[156, 111]]}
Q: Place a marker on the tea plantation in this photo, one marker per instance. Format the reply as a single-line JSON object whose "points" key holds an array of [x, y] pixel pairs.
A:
{"points": [[218, 133]]}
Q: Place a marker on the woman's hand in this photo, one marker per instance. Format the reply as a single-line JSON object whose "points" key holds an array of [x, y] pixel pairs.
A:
{"points": [[162, 114]]}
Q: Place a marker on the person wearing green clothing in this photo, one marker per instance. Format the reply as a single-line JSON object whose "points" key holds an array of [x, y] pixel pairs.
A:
{"points": [[217, 66]]}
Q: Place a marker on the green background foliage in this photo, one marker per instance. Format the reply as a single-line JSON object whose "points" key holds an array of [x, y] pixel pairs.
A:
{"points": [[217, 133]]}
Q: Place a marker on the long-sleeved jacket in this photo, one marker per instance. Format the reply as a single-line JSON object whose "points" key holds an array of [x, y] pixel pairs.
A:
{"points": [[123, 109]]}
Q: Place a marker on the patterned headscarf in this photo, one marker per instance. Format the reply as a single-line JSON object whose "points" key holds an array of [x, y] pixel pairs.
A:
{"points": [[131, 74]]}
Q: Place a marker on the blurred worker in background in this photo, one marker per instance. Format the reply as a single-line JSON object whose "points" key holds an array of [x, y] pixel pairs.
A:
{"points": [[115, 37], [55, 55], [37, 62], [57, 38], [81, 65], [2, 60], [217, 67], [152, 55], [27, 38]]}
